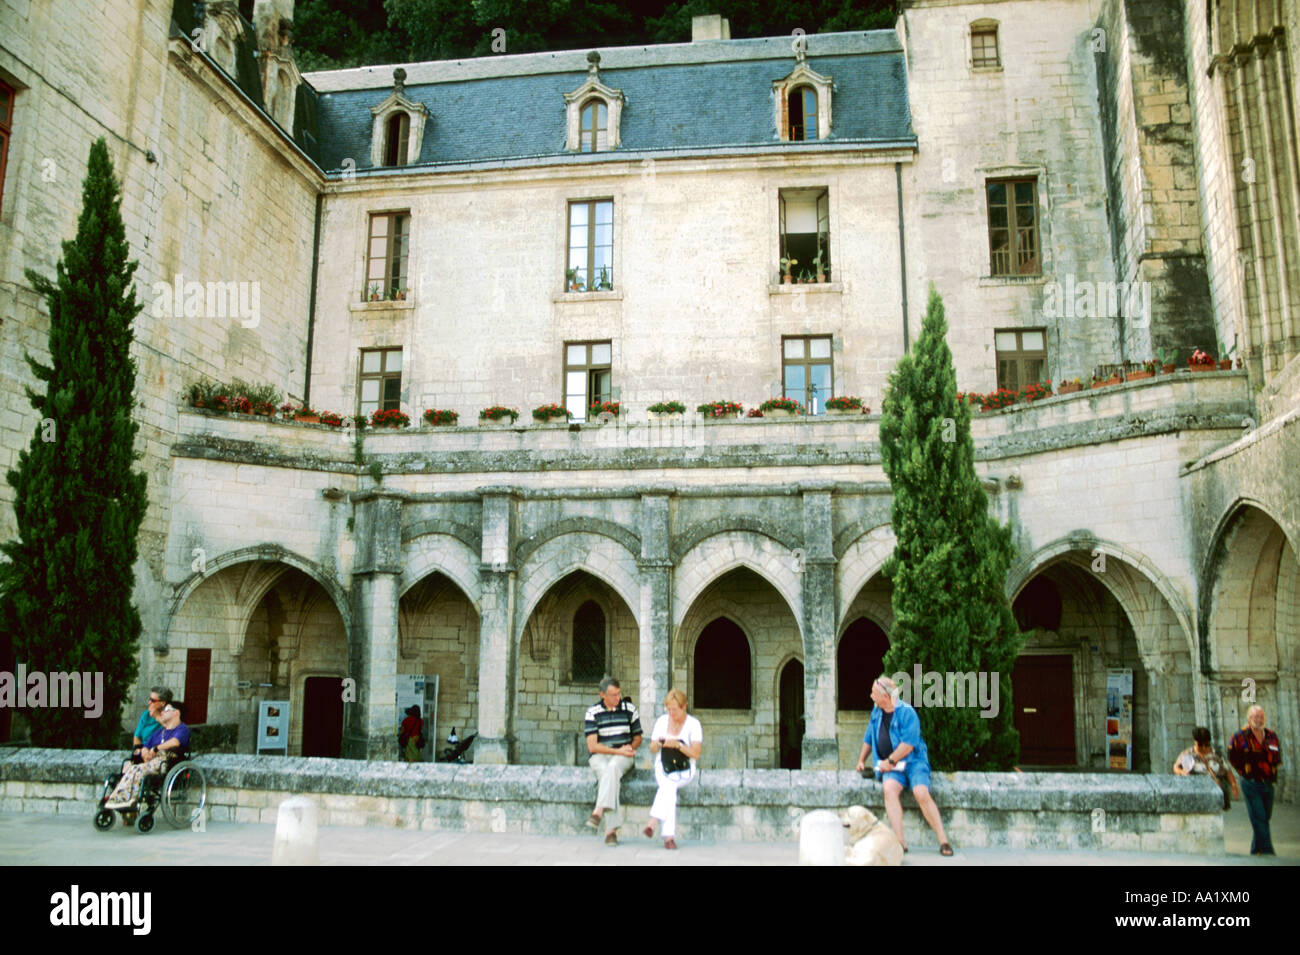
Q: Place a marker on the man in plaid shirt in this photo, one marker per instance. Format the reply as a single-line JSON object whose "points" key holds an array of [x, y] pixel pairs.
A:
{"points": [[1255, 754]]}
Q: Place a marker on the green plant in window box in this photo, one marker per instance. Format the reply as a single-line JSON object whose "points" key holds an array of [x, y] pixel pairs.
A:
{"points": [[604, 284], [397, 294], [787, 265], [498, 413], [439, 417], [846, 404], [819, 266], [781, 407], [571, 276], [374, 292], [721, 409], [389, 418], [666, 409]]}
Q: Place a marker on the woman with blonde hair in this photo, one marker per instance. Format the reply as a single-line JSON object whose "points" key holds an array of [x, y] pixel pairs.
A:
{"points": [[676, 742]]}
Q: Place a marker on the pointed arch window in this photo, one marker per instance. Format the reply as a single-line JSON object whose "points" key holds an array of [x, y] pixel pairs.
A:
{"points": [[588, 656], [723, 678]]}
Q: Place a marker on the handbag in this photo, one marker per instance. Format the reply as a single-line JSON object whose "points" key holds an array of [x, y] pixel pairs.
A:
{"points": [[674, 760]]}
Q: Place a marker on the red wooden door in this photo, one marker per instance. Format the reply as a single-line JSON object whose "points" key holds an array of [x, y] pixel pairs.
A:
{"points": [[1043, 691], [198, 668]]}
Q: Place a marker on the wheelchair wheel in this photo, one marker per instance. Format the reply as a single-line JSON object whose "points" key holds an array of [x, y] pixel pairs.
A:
{"points": [[144, 822], [104, 819], [184, 794]]}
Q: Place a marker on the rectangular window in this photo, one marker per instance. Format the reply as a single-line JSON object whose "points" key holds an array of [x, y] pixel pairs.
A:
{"points": [[6, 124], [591, 246], [1022, 357], [984, 47], [806, 371], [1013, 227], [805, 223], [586, 376], [380, 384], [390, 241], [198, 669]]}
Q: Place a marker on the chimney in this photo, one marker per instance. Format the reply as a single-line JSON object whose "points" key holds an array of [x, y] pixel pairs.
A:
{"points": [[711, 27]]}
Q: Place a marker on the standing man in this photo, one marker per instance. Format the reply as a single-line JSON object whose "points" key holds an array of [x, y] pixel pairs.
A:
{"points": [[613, 730], [894, 730], [1256, 754]]}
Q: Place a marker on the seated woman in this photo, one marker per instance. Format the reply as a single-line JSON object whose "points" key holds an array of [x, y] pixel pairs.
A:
{"points": [[677, 740], [1203, 758], [171, 739]]}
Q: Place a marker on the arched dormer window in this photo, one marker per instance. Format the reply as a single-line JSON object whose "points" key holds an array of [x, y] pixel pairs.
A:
{"points": [[593, 131], [592, 113], [802, 113], [397, 138], [398, 129], [803, 105]]}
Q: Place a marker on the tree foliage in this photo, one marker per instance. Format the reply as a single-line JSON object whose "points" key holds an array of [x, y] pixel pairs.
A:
{"points": [[335, 34], [950, 563], [65, 591]]}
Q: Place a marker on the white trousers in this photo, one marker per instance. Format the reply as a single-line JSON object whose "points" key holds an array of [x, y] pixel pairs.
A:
{"points": [[609, 771], [665, 805]]}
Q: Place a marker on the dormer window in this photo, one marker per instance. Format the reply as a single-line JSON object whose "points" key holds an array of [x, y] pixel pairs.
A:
{"points": [[594, 132], [984, 45], [397, 139], [803, 104], [398, 128], [803, 113], [592, 113]]}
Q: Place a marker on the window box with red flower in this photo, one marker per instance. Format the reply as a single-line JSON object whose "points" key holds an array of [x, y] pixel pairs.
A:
{"points": [[497, 416], [1201, 361], [713, 410], [440, 417], [666, 410], [547, 413], [331, 419], [389, 418], [846, 404], [781, 408]]}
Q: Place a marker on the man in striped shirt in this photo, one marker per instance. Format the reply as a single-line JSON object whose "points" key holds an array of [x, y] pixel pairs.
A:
{"points": [[613, 730]]}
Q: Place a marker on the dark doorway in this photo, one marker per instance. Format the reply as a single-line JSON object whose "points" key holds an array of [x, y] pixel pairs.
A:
{"points": [[722, 667], [858, 662], [198, 670], [1043, 690], [790, 743], [322, 716]]}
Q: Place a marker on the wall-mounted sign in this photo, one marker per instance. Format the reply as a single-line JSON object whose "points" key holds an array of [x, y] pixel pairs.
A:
{"points": [[421, 691], [273, 726], [1119, 719]]}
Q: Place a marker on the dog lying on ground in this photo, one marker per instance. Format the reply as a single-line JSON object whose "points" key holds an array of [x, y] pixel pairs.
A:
{"points": [[871, 842]]}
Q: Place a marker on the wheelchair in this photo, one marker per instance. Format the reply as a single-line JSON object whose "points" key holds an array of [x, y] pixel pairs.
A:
{"points": [[180, 790]]}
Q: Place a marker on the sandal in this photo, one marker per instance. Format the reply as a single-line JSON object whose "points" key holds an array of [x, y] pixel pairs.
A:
{"points": [[611, 837], [670, 843], [648, 832], [593, 821], [945, 849]]}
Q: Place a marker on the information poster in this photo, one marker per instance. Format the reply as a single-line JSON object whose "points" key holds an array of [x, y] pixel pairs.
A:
{"points": [[273, 726], [422, 691], [1119, 719]]}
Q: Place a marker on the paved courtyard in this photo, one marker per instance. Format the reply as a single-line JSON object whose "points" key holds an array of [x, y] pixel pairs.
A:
{"points": [[34, 839]]}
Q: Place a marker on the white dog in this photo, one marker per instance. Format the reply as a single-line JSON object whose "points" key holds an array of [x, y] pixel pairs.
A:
{"points": [[871, 842]]}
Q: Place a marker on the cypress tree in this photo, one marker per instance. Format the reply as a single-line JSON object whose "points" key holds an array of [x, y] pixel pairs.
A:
{"points": [[950, 563], [65, 592]]}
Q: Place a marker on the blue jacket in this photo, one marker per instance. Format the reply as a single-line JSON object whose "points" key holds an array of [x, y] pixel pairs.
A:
{"points": [[905, 727]]}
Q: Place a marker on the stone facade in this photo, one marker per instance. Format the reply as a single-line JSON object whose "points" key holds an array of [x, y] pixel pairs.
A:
{"points": [[1157, 513]]}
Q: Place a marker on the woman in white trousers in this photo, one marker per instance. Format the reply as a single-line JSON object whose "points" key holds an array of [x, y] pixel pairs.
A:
{"points": [[679, 737]]}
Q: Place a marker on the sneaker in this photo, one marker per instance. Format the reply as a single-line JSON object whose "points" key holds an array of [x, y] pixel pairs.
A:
{"points": [[611, 838], [593, 821]]}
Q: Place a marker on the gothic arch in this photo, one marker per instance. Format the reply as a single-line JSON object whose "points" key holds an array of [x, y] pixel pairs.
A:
{"points": [[858, 562], [444, 554], [773, 561], [629, 540], [603, 557]]}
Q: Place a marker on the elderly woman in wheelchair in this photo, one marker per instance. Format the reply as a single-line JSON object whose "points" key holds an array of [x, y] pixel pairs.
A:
{"points": [[164, 777]]}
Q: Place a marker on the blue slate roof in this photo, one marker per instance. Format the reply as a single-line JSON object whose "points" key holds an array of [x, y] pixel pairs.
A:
{"points": [[669, 106]]}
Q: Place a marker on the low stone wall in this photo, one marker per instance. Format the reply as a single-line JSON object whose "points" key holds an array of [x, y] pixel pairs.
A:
{"points": [[1016, 810]]}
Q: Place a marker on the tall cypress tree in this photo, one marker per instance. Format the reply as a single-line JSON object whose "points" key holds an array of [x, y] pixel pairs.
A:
{"points": [[65, 593], [950, 564]]}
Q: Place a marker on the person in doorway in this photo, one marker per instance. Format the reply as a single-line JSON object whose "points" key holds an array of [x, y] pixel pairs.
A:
{"points": [[677, 739], [1256, 754], [148, 723], [410, 736], [1203, 759], [894, 730], [613, 730]]}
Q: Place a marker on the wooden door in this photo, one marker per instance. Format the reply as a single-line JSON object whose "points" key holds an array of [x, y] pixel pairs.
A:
{"points": [[1043, 691], [322, 716]]}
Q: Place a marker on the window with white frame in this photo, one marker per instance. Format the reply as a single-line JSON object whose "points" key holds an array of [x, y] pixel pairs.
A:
{"points": [[587, 376]]}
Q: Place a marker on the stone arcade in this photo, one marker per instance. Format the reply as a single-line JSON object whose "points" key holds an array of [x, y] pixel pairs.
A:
{"points": [[619, 225]]}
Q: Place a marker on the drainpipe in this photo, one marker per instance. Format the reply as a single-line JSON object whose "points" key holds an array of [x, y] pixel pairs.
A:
{"points": [[902, 251], [311, 301]]}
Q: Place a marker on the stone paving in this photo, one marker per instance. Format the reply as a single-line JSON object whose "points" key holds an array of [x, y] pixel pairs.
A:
{"points": [[33, 839]]}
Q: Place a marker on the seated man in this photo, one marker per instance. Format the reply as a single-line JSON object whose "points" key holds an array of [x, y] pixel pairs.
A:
{"points": [[894, 730], [613, 731], [148, 724], [170, 739]]}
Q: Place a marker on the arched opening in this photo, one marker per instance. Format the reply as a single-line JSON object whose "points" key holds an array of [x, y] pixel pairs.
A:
{"points": [[803, 113], [791, 722], [722, 668], [859, 659], [588, 657], [397, 139], [593, 134]]}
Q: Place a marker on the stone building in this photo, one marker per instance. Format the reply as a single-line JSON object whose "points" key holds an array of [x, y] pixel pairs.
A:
{"points": [[1084, 181]]}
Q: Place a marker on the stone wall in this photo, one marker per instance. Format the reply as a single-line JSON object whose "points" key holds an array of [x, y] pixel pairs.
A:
{"points": [[1157, 813]]}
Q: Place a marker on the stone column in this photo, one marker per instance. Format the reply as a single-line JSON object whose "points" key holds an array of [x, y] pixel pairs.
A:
{"points": [[496, 653], [370, 724], [820, 747], [656, 613]]}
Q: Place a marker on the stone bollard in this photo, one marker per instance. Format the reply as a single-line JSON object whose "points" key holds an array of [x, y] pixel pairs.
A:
{"points": [[295, 833], [821, 838]]}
